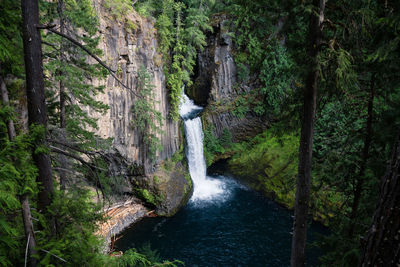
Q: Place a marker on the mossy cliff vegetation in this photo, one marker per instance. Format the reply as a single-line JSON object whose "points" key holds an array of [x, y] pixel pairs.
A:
{"points": [[163, 193], [70, 147], [89, 116], [271, 76]]}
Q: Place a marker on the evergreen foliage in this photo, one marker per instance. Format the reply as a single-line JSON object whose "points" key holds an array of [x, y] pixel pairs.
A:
{"points": [[358, 84], [214, 146], [67, 63], [73, 213], [357, 116], [181, 29], [18, 177], [11, 55], [146, 118], [272, 161]]}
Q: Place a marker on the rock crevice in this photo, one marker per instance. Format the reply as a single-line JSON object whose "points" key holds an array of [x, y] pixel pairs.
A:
{"points": [[127, 48], [217, 87], [128, 44]]}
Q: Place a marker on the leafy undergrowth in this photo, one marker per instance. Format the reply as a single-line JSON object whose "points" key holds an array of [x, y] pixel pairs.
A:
{"points": [[268, 163]]}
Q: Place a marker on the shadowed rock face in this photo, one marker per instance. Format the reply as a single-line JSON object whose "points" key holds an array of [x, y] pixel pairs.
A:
{"points": [[127, 48], [216, 86], [128, 44], [215, 73]]}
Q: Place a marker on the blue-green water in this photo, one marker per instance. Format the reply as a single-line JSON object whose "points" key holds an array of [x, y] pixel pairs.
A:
{"points": [[237, 228]]}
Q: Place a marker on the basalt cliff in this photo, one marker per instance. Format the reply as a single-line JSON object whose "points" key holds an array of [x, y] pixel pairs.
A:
{"points": [[217, 87], [163, 181]]}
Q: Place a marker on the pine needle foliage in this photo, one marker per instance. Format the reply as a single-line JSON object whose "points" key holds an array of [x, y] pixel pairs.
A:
{"points": [[181, 27], [70, 84], [146, 118], [18, 174]]}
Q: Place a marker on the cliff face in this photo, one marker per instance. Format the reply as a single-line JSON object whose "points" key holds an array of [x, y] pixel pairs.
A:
{"points": [[128, 43], [216, 86], [127, 46]]}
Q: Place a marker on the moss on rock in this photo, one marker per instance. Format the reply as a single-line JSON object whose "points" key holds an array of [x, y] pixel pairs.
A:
{"points": [[167, 189]]}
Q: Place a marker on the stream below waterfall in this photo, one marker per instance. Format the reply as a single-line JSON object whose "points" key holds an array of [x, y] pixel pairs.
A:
{"points": [[224, 223]]}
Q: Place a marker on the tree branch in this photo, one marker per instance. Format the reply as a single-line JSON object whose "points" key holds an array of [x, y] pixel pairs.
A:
{"points": [[52, 45], [75, 42], [60, 151], [70, 146], [48, 26], [91, 166], [53, 255], [26, 250]]}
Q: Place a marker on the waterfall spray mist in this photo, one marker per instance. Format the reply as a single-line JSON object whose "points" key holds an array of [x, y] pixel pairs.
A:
{"points": [[205, 188]]}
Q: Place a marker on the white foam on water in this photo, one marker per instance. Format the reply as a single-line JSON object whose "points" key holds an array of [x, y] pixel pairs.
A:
{"points": [[205, 188], [187, 106]]}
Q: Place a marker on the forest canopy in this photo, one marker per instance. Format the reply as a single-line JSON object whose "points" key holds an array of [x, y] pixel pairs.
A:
{"points": [[323, 74]]}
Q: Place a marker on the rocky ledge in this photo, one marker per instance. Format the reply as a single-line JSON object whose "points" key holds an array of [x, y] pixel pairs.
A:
{"points": [[119, 217]]}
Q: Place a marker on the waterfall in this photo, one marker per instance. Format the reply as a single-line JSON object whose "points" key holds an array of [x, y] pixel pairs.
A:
{"points": [[205, 188]]}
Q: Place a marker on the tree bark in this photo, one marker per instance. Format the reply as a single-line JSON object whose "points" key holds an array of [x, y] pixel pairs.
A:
{"points": [[63, 125], [382, 241], [6, 101], [28, 227], [36, 96], [364, 158], [26, 211], [306, 138]]}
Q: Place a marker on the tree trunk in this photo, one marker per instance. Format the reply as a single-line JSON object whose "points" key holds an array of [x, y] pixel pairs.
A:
{"points": [[63, 131], [382, 241], [28, 227], [36, 96], [26, 211], [6, 101], [365, 154], [306, 138]]}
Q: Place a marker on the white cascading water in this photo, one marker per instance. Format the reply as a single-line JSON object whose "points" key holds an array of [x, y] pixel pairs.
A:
{"points": [[205, 188]]}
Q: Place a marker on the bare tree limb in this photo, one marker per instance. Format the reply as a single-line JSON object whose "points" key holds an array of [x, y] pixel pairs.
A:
{"points": [[77, 43], [91, 167], [63, 169], [53, 255], [60, 151], [50, 44], [26, 250], [48, 26], [70, 146]]}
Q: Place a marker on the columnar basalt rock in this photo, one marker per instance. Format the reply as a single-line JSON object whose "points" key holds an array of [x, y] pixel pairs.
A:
{"points": [[216, 86], [127, 45]]}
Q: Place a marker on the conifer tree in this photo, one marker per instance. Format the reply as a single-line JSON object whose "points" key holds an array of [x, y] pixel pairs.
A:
{"points": [[306, 138], [381, 245], [17, 176], [70, 85], [37, 111]]}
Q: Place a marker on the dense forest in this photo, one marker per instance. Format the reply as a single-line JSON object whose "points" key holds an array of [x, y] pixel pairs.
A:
{"points": [[320, 78]]}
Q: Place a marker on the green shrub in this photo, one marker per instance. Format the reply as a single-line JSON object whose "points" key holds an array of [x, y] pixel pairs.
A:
{"points": [[146, 118], [271, 161], [118, 8], [213, 145], [146, 196]]}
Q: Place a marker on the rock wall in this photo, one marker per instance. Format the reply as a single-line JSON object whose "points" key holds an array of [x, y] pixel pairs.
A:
{"points": [[216, 86], [128, 44]]}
